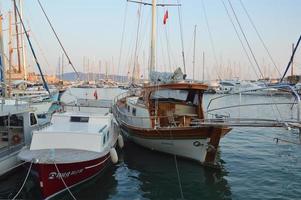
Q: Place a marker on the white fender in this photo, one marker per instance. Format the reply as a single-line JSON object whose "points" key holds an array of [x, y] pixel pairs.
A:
{"points": [[114, 156], [120, 141]]}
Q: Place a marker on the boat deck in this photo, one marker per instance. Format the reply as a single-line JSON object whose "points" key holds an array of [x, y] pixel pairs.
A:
{"points": [[50, 156]]}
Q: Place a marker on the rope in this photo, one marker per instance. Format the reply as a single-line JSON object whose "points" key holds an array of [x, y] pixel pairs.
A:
{"points": [[259, 36], [58, 39], [245, 37], [179, 178], [238, 36], [211, 39], [122, 37], [64, 181], [27, 175]]}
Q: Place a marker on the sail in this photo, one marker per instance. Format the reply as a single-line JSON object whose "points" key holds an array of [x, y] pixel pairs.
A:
{"points": [[166, 77]]}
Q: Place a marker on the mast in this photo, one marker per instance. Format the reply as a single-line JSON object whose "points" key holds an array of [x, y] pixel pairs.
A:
{"points": [[23, 43], [203, 66], [10, 49], [193, 62], [2, 60], [292, 67], [153, 37], [17, 40]]}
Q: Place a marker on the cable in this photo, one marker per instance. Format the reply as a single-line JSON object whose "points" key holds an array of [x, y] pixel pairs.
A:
{"points": [[245, 37], [60, 175], [259, 36], [27, 175], [210, 37], [122, 37], [238, 36], [58, 39]]}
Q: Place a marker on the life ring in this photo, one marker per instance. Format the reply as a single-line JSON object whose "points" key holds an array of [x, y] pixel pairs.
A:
{"points": [[16, 139]]}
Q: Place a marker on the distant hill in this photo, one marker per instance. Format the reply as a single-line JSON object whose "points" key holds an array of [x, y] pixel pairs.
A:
{"points": [[71, 76]]}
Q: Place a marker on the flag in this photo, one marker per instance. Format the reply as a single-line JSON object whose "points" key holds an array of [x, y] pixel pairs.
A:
{"points": [[165, 17], [95, 94]]}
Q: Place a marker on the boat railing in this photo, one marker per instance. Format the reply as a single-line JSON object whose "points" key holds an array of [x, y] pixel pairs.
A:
{"points": [[288, 89], [13, 105]]}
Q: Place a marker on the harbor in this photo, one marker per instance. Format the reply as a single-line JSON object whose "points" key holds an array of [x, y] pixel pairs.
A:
{"points": [[161, 115]]}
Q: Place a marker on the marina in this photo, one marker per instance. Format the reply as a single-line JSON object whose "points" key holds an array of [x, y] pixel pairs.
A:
{"points": [[161, 115]]}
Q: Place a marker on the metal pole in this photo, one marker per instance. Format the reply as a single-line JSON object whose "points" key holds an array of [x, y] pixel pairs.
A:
{"points": [[10, 49], [153, 37], [17, 39], [2, 60], [203, 66], [193, 62], [292, 67]]}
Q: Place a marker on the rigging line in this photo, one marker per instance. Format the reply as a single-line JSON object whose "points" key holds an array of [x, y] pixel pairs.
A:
{"points": [[250, 49], [168, 48], [32, 50], [27, 175], [238, 36], [259, 36], [39, 46], [48, 20], [210, 37], [181, 33], [245, 37], [136, 45], [122, 37]]}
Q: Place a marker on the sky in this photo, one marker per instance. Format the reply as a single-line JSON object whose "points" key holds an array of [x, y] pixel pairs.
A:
{"points": [[105, 32]]}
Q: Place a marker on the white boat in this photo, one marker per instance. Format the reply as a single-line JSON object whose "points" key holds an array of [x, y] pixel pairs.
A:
{"points": [[75, 147], [17, 121]]}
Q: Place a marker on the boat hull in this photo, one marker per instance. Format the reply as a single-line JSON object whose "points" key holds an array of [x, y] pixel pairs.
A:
{"points": [[53, 176], [199, 144]]}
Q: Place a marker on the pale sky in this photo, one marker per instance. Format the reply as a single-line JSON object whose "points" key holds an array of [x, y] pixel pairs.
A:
{"points": [[93, 28]]}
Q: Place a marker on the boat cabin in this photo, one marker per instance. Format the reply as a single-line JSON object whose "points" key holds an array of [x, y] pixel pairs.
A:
{"points": [[17, 120]]}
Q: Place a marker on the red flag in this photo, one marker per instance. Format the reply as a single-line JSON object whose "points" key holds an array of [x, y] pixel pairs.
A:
{"points": [[95, 94], [165, 17]]}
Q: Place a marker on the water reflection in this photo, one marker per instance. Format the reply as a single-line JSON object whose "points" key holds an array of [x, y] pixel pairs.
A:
{"points": [[158, 176]]}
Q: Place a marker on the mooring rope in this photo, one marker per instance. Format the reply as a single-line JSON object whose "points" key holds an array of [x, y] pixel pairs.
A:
{"points": [[27, 175], [60, 175]]}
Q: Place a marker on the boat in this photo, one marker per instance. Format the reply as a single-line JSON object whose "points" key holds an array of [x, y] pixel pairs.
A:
{"points": [[17, 121], [74, 148], [166, 114]]}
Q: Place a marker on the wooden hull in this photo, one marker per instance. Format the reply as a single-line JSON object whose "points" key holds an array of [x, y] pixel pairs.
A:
{"points": [[73, 174], [196, 143]]}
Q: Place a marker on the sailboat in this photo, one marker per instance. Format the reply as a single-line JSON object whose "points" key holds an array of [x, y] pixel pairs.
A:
{"points": [[166, 114]]}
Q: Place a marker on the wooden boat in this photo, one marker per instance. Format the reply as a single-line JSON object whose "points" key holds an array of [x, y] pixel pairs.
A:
{"points": [[167, 114], [73, 149], [169, 118]]}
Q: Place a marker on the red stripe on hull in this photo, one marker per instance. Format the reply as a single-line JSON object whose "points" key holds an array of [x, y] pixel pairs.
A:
{"points": [[72, 173]]}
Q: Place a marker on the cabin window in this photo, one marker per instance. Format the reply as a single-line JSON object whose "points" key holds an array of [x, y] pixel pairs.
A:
{"points": [[180, 95], [79, 119], [108, 134], [129, 108], [134, 111], [104, 139], [33, 119]]}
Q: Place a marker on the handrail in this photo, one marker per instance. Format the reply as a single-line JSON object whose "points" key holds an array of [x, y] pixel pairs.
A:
{"points": [[273, 87]]}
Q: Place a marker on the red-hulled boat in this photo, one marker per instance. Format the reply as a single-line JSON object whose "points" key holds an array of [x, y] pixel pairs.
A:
{"points": [[73, 149]]}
